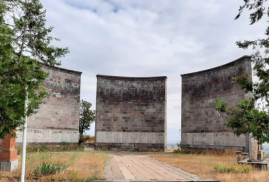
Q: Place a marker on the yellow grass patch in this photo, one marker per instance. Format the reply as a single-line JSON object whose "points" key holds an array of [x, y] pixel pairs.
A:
{"points": [[203, 166], [81, 166], [87, 139]]}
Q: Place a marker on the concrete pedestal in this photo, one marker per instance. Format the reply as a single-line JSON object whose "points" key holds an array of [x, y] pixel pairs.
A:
{"points": [[9, 166], [8, 154], [263, 165]]}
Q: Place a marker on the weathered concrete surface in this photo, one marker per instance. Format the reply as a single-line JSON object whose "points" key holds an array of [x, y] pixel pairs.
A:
{"points": [[130, 112], [50, 136], [139, 167], [254, 149], [214, 140], [9, 166], [202, 127], [58, 119], [130, 137]]}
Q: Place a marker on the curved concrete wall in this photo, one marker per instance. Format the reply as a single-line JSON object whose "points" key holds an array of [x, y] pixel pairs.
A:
{"points": [[201, 126], [57, 120], [130, 112]]}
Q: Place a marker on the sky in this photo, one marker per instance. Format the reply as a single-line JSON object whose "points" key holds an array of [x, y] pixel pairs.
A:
{"points": [[149, 38]]}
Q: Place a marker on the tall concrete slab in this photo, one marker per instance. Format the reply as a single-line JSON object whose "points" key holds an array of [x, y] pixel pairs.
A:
{"points": [[57, 120], [130, 112], [202, 127]]}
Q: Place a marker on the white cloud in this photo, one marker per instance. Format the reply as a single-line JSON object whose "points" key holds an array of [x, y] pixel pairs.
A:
{"points": [[148, 38]]}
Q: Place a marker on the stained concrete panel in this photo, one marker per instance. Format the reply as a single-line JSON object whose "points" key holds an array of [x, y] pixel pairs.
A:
{"points": [[220, 141], [57, 120], [202, 126], [131, 112], [129, 137], [50, 136]]}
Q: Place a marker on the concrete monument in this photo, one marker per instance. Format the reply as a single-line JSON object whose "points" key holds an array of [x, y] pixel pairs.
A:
{"points": [[130, 112], [57, 120], [202, 127]]}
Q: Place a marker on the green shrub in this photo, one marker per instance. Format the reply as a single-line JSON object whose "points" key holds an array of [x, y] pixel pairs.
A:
{"points": [[233, 169], [84, 138], [182, 151], [51, 148], [50, 168]]}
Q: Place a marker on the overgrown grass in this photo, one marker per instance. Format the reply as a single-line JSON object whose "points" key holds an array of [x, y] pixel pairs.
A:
{"points": [[204, 152], [60, 166], [87, 139], [181, 151], [50, 168], [51, 148], [135, 149], [222, 168], [206, 165]]}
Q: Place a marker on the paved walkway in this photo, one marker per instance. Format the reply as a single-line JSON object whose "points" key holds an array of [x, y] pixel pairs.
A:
{"points": [[139, 167]]}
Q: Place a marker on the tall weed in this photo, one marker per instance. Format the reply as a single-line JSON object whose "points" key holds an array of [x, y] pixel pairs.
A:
{"points": [[233, 168], [50, 168]]}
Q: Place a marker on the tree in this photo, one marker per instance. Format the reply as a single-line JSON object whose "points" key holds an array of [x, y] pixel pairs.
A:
{"points": [[25, 46], [87, 117], [252, 115]]}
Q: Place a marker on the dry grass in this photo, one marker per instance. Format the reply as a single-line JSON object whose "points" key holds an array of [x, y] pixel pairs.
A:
{"points": [[89, 139], [171, 149], [82, 166], [203, 166]]}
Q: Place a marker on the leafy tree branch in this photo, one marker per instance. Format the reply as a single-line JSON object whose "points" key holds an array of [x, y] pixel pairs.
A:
{"points": [[25, 45], [87, 117], [248, 116]]}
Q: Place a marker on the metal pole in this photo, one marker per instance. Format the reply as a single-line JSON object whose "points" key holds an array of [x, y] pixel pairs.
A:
{"points": [[250, 147], [23, 158]]}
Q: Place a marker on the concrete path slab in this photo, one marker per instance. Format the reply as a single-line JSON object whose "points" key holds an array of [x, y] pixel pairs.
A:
{"points": [[140, 167]]}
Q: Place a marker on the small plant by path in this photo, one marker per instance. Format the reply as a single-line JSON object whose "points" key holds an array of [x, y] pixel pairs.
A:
{"points": [[50, 168], [224, 168]]}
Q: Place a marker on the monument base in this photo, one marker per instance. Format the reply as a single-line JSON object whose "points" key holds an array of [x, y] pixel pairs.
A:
{"points": [[8, 154], [9, 166], [263, 165]]}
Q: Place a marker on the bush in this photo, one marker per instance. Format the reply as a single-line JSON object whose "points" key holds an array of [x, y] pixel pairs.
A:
{"points": [[86, 139], [50, 168], [204, 152], [183, 151], [233, 169], [51, 148]]}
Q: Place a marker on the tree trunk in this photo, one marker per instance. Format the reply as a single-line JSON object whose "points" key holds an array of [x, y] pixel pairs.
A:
{"points": [[80, 139]]}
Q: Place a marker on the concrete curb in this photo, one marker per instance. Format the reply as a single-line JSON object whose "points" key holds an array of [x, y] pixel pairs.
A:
{"points": [[161, 181]]}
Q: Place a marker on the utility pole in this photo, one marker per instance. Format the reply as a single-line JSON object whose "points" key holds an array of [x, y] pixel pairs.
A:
{"points": [[250, 147], [23, 159]]}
